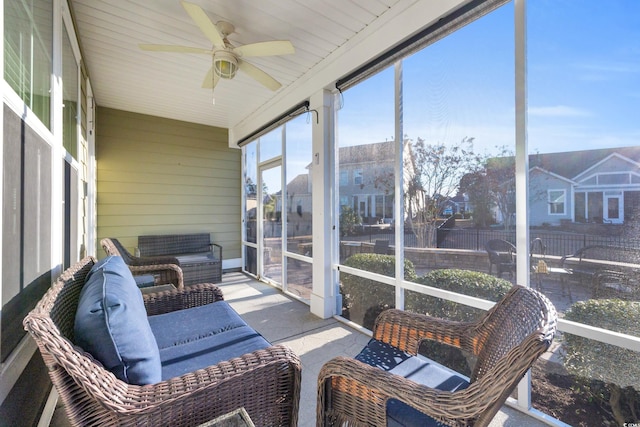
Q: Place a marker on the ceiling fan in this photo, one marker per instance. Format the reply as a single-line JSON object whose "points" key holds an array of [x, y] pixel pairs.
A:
{"points": [[226, 58]]}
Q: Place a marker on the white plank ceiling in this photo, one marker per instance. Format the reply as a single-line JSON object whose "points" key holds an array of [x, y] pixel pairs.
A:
{"points": [[169, 84]]}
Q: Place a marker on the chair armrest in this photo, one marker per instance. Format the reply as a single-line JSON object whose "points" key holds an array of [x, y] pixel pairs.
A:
{"points": [[163, 273], [368, 388], [213, 247], [406, 330], [179, 299]]}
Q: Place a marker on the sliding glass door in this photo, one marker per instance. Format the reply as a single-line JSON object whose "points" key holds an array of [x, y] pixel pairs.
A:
{"points": [[270, 194]]}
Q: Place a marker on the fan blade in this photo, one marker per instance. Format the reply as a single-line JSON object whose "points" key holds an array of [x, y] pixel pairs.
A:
{"points": [[259, 75], [202, 20], [173, 48], [271, 48], [210, 80]]}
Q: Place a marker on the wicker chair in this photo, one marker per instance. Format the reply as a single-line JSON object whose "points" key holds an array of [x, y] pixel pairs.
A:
{"points": [[266, 382], [502, 254], [504, 343], [161, 268]]}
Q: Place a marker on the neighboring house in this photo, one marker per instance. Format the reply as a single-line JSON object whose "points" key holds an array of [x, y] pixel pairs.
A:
{"points": [[590, 186], [458, 204], [299, 205], [367, 179]]}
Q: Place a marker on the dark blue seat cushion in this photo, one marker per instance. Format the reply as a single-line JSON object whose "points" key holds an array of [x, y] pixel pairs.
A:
{"points": [[183, 326], [416, 368], [202, 336], [111, 324]]}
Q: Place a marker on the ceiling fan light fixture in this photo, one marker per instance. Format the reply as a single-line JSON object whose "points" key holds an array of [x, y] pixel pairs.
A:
{"points": [[225, 64]]}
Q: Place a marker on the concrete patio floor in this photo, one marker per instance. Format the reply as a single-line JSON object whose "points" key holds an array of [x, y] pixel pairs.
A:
{"points": [[285, 320]]}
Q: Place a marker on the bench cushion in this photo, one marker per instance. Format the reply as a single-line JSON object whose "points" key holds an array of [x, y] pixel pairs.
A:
{"points": [[182, 326], [195, 258], [416, 368], [111, 324], [202, 336]]}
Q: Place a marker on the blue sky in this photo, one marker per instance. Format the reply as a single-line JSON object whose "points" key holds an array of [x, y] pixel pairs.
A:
{"points": [[583, 82]]}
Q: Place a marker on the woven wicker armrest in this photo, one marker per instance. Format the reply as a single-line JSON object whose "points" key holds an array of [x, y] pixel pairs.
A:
{"points": [[179, 299], [163, 273], [406, 330]]}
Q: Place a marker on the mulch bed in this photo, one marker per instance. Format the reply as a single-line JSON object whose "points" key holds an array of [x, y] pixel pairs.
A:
{"points": [[571, 401]]}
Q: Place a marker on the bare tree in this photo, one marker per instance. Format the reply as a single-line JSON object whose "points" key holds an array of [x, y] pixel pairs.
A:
{"points": [[435, 174], [491, 185]]}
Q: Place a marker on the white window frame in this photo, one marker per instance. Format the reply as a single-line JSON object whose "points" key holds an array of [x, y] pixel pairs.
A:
{"points": [[551, 203], [358, 175]]}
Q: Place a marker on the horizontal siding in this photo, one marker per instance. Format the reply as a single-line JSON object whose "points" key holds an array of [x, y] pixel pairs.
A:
{"points": [[162, 176]]}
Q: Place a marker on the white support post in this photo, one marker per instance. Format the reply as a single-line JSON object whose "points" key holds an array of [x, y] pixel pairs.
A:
{"points": [[398, 208], [324, 292], [522, 172]]}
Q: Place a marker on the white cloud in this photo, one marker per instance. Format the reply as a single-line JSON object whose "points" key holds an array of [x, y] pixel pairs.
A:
{"points": [[558, 111]]}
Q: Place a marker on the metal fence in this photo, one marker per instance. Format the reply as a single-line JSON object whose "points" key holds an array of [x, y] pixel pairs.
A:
{"points": [[557, 243]]}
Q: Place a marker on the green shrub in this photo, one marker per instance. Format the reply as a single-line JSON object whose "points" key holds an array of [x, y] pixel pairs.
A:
{"points": [[466, 282], [364, 299], [593, 359], [349, 221]]}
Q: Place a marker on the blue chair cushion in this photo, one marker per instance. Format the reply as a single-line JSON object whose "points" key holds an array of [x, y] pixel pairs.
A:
{"points": [[198, 337], [111, 324], [415, 368]]}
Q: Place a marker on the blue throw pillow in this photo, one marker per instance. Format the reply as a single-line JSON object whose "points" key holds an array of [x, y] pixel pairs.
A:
{"points": [[111, 323]]}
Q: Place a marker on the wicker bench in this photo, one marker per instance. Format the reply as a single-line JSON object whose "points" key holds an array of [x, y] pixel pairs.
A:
{"points": [[210, 362], [199, 258]]}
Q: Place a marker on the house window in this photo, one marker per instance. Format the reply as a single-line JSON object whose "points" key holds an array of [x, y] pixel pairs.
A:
{"points": [[70, 90], [28, 52], [357, 177], [344, 178], [556, 202], [613, 179]]}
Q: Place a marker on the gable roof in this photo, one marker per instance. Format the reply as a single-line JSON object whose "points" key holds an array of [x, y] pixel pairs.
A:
{"points": [[572, 163], [299, 185], [552, 174]]}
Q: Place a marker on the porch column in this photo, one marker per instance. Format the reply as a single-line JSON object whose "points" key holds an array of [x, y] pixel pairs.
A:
{"points": [[323, 293]]}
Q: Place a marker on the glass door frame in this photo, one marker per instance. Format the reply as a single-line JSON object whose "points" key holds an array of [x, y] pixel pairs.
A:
{"points": [[263, 167]]}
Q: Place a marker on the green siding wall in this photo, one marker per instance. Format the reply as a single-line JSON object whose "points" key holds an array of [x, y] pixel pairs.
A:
{"points": [[161, 176]]}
